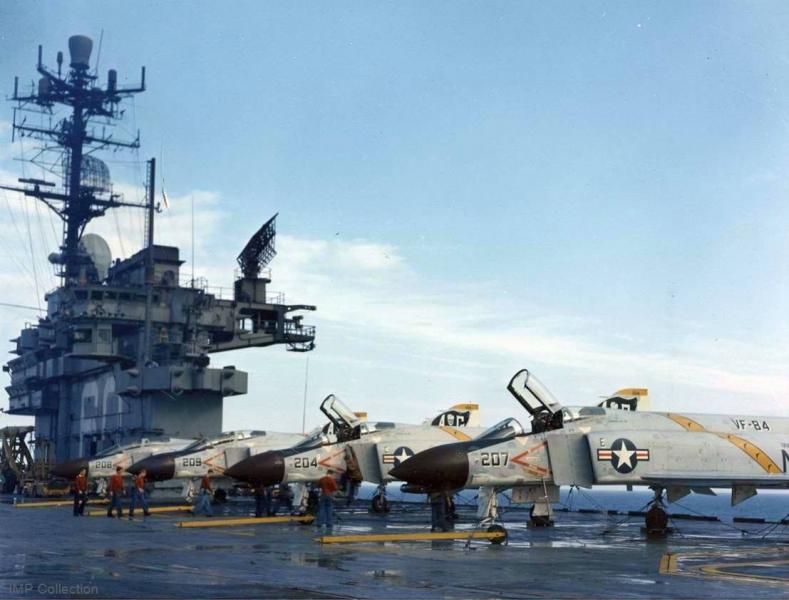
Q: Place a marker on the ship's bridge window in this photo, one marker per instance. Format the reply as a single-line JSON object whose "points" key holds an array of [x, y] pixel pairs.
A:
{"points": [[502, 430], [96, 295], [83, 335]]}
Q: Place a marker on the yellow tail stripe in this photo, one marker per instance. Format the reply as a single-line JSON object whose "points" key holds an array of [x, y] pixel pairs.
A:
{"points": [[752, 450], [456, 433]]}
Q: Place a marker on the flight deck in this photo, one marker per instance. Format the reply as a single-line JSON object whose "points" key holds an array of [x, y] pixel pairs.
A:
{"points": [[49, 553]]}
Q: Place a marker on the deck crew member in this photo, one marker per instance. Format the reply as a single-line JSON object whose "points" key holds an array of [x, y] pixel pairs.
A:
{"points": [[116, 491], [138, 494], [263, 501], [328, 487], [80, 492], [438, 511], [203, 506]]}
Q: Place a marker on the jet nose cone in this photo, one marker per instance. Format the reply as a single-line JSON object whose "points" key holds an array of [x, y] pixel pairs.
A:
{"points": [[266, 468], [439, 468], [159, 467], [69, 469]]}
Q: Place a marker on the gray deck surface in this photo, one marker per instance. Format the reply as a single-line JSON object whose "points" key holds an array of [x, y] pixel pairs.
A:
{"points": [[48, 550]]}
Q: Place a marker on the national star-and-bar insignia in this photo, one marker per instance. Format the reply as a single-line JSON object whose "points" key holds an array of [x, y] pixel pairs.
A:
{"points": [[400, 455], [623, 455]]}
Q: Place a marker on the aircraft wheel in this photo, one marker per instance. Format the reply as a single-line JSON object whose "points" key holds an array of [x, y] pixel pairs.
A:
{"points": [[380, 504], [220, 496], [498, 529]]}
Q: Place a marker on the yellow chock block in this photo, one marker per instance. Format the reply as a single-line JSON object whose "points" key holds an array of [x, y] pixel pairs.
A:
{"points": [[415, 536], [154, 510], [56, 503], [246, 521]]}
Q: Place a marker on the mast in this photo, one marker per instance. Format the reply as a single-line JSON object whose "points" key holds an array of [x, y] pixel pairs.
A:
{"points": [[86, 191]]}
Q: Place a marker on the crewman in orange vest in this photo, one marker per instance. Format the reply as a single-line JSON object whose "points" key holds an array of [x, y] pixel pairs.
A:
{"points": [[206, 493], [138, 494], [80, 493], [116, 491], [328, 487]]}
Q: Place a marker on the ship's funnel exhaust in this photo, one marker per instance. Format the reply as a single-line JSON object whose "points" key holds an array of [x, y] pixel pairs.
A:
{"points": [[80, 47]]}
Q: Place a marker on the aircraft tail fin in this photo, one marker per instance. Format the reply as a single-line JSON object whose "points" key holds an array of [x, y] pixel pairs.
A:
{"points": [[628, 399], [459, 415]]}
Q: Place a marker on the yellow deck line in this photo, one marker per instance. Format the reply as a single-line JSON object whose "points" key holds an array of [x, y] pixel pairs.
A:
{"points": [[724, 570], [414, 536], [245, 521], [154, 510], [752, 450], [54, 503]]}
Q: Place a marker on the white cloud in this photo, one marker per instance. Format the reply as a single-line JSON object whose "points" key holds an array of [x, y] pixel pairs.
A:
{"points": [[377, 311]]}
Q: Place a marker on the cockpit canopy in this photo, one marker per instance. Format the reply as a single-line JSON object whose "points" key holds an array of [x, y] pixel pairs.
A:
{"points": [[320, 436], [544, 409], [117, 448], [502, 430], [346, 423], [576, 413]]}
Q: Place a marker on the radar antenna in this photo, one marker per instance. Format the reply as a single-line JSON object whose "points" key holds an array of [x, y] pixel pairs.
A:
{"points": [[259, 250], [85, 192]]}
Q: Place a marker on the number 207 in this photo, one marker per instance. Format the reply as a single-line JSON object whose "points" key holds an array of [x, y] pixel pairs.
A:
{"points": [[495, 459]]}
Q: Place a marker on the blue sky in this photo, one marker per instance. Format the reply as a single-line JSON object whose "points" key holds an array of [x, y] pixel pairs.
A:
{"points": [[593, 190]]}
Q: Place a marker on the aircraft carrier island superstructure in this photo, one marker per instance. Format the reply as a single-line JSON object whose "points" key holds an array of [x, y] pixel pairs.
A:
{"points": [[123, 351]]}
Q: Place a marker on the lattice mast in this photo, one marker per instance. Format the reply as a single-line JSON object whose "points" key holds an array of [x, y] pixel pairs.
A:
{"points": [[86, 191]]}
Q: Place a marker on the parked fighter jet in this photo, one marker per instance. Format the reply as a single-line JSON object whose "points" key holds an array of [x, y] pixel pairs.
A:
{"points": [[216, 454], [673, 452], [103, 464], [362, 450]]}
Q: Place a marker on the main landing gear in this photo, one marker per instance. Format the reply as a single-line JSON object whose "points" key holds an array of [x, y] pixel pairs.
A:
{"points": [[488, 513], [380, 504], [656, 518]]}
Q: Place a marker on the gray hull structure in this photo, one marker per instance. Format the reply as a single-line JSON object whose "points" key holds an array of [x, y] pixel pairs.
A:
{"points": [[123, 351]]}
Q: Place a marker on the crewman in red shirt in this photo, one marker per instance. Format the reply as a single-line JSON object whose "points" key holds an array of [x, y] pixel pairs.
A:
{"points": [[204, 498], [80, 493], [116, 491], [328, 487], [138, 494]]}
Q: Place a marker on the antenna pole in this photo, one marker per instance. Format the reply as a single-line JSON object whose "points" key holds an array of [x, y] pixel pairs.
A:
{"points": [[151, 205], [149, 278], [304, 404], [193, 239]]}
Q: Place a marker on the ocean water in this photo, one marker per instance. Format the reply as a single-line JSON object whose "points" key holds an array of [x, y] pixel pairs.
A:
{"points": [[767, 504]]}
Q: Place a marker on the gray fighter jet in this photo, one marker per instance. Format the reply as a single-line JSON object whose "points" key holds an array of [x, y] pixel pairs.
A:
{"points": [[102, 465], [670, 452], [216, 453], [360, 450]]}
